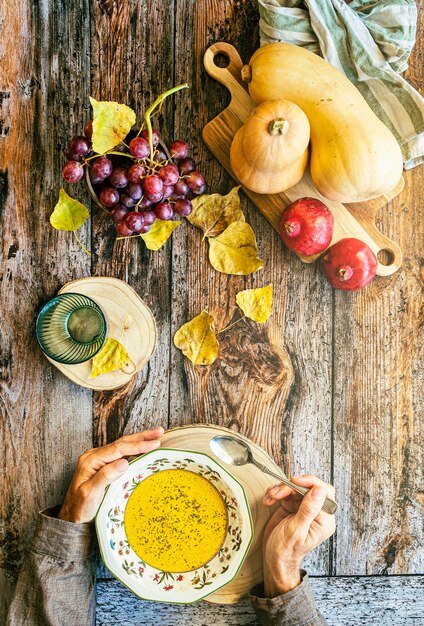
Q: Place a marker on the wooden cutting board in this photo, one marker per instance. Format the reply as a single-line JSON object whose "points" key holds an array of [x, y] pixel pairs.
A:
{"points": [[128, 319], [255, 483], [218, 135]]}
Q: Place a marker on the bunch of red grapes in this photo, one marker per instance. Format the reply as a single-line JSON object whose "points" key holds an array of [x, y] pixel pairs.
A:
{"points": [[133, 188]]}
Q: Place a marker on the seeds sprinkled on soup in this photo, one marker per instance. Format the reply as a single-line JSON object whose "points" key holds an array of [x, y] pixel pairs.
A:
{"points": [[175, 520]]}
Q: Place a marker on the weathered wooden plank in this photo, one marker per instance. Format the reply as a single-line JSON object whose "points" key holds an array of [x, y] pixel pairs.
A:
{"points": [[350, 601], [378, 383], [45, 419], [247, 387], [379, 400], [132, 62]]}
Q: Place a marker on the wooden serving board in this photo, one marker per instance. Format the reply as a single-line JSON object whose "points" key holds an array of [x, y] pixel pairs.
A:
{"points": [[218, 135], [255, 483], [121, 306]]}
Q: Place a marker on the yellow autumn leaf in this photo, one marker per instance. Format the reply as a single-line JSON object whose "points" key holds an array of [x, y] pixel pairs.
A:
{"points": [[111, 124], [213, 213], [256, 303], [112, 356], [68, 214], [159, 233], [234, 251], [197, 340]]}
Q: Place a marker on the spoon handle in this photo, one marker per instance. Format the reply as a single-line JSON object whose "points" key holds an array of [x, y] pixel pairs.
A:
{"points": [[329, 505]]}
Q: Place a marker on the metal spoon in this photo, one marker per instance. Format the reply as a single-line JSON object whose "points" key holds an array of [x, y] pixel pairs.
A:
{"points": [[233, 451]]}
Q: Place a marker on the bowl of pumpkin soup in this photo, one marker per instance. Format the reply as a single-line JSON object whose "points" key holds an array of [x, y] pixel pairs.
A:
{"points": [[175, 527]]}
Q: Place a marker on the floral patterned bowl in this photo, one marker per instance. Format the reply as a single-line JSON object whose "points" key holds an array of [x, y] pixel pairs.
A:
{"points": [[147, 582]]}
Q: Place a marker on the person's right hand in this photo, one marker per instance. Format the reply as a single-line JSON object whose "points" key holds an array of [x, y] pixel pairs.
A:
{"points": [[99, 467], [297, 527]]}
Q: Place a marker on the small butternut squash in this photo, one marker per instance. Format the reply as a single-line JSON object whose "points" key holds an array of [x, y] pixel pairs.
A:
{"points": [[354, 156], [270, 152]]}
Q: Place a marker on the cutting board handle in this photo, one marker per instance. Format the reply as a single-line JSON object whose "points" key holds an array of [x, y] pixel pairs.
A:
{"points": [[230, 76]]}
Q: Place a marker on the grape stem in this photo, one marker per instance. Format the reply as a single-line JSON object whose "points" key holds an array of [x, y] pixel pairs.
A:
{"points": [[95, 156], [127, 237], [138, 204], [140, 129], [125, 154], [81, 244], [100, 205], [158, 103]]}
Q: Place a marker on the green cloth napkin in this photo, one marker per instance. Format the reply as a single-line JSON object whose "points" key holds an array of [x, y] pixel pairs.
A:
{"points": [[370, 42]]}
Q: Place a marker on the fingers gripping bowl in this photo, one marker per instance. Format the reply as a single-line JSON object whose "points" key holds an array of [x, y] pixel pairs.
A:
{"points": [[175, 527]]}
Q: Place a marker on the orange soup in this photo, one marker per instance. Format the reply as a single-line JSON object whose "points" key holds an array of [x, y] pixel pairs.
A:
{"points": [[175, 520]]}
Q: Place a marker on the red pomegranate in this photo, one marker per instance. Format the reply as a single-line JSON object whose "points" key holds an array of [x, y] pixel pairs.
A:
{"points": [[349, 264], [306, 226]]}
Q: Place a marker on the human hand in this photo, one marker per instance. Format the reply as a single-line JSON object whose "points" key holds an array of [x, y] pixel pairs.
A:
{"points": [[297, 527], [99, 467]]}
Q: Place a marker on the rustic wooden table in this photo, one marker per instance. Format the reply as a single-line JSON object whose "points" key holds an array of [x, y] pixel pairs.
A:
{"points": [[354, 413]]}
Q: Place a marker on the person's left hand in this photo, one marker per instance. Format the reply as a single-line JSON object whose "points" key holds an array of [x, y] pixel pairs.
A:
{"points": [[99, 467]]}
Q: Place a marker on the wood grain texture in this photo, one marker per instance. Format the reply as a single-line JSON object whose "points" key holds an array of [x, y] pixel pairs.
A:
{"points": [[247, 388], [132, 58], [218, 135], [378, 412], [353, 601], [253, 374], [379, 398], [44, 89], [353, 414]]}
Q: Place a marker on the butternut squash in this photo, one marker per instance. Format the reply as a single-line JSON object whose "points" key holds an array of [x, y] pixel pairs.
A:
{"points": [[354, 156], [270, 152]]}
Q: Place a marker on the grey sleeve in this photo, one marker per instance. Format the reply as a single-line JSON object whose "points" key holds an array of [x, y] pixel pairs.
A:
{"points": [[294, 608], [56, 584]]}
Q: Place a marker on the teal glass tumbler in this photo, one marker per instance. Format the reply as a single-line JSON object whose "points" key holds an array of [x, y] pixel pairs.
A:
{"points": [[71, 328]]}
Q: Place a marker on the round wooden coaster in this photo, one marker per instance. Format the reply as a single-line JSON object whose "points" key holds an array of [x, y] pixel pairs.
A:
{"points": [[255, 483], [122, 306]]}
